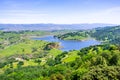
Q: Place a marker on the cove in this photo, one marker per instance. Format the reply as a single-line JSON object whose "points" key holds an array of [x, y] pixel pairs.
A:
{"points": [[70, 44]]}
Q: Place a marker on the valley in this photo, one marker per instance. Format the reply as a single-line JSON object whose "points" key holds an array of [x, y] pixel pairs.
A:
{"points": [[28, 55]]}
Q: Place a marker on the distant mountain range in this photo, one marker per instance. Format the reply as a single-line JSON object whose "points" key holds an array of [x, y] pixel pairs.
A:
{"points": [[49, 27]]}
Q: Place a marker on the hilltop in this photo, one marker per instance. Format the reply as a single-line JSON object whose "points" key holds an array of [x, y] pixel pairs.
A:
{"points": [[50, 27]]}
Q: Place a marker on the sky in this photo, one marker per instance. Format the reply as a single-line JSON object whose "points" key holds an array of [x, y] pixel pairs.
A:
{"points": [[60, 11]]}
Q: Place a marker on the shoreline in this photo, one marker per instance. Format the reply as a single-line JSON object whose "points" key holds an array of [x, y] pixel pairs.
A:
{"points": [[86, 39]]}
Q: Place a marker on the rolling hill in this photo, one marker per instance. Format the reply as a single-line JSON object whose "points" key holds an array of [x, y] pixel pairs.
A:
{"points": [[49, 27]]}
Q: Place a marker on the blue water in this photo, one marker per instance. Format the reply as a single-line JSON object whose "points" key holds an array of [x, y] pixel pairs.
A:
{"points": [[70, 44]]}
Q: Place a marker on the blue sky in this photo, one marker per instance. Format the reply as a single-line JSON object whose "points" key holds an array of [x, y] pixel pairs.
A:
{"points": [[60, 11]]}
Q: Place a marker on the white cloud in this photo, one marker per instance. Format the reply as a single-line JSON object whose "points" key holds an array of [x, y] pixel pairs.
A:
{"points": [[110, 15]]}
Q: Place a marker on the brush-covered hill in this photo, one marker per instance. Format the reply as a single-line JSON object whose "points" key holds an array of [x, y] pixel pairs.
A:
{"points": [[96, 62], [107, 34]]}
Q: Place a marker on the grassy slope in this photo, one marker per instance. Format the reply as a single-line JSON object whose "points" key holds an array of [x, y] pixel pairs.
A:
{"points": [[71, 56], [22, 48], [27, 48]]}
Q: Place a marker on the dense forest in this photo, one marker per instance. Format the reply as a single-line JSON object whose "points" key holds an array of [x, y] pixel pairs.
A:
{"points": [[22, 58], [108, 34]]}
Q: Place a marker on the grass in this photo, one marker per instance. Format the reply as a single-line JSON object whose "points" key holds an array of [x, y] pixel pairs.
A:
{"points": [[70, 57], [54, 52], [23, 48]]}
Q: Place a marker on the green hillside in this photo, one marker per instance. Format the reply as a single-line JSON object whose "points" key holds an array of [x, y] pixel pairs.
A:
{"points": [[26, 59], [79, 35], [107, 34], [95, 62]]}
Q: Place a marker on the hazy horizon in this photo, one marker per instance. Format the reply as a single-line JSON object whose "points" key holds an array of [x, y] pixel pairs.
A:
{"points": [[110, 24], [59, 11]]}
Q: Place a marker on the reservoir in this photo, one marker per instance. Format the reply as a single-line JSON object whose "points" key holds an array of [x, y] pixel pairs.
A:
{"points": [[70, 44]]}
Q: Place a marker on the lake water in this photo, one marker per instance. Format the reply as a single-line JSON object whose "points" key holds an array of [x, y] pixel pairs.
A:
{"points": [[69, 44]]}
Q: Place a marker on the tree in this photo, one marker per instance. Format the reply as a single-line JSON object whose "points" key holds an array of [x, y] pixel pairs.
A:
{"points": [[114, 60], [38, 61], [50, 62], [20, 63], [57, 77]]}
